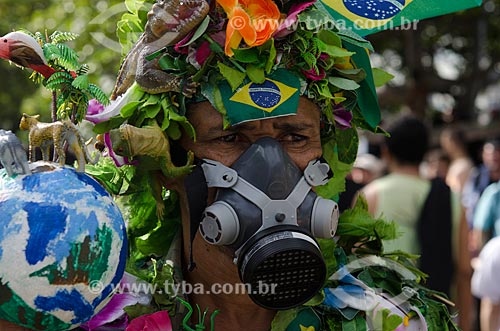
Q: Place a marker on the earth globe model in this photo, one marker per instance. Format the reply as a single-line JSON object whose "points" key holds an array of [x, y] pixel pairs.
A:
{"points": [[62, 247]]}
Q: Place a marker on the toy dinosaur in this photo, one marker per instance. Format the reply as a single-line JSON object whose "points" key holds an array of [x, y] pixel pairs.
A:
{"points": [[13, 155], [168, 22], [44, 134], [151, 145]]}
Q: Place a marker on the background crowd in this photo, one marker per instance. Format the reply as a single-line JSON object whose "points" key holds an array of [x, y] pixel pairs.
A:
{"points": [[445, 196]]}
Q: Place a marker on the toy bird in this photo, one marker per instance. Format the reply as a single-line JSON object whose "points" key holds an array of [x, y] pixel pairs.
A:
{"points": [[23, 50]]}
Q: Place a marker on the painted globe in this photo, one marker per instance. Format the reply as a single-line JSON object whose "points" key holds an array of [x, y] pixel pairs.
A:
{"points": [[62, 248]]}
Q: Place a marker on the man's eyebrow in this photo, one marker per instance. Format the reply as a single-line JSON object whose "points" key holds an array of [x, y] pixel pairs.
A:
{"points": [[217, 129], [284, 126]]}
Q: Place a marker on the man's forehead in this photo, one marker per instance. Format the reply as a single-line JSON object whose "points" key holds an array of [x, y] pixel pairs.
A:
{"points": [[306, 115]]}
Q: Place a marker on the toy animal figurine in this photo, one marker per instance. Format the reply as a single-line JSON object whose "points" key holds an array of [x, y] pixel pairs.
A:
{"points": [[168, 22], [152, 147], [13, 155], [44, 134]]}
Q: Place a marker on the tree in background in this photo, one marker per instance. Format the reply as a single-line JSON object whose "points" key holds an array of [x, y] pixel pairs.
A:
{"points": [[444, 65]]}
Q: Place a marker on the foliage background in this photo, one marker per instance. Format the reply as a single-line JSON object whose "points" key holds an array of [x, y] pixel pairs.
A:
{"points": [[92, 20], [446, 69]]}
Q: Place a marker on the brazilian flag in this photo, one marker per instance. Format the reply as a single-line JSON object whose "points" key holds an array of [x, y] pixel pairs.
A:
{"points": [[368, 16]]}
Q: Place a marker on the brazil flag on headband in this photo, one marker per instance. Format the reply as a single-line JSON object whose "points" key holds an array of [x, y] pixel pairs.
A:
{"points": [[368, 16], [277, 96]]}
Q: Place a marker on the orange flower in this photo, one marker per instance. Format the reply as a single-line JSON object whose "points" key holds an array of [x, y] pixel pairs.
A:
{"points": [[254, 21]]}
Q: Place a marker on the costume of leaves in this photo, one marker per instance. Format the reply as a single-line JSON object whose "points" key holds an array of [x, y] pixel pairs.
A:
{"points": [[333, 68]]}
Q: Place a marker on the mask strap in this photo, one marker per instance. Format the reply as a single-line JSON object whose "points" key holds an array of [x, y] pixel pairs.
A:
{"points": [[195, 185]]}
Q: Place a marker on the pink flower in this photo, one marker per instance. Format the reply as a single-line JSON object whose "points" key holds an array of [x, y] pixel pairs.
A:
{"points": [[203, 52], [312, 74], [284, 28], [159, 321]]}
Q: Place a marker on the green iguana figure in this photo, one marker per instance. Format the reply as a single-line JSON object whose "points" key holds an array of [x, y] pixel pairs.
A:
{"points": [[152, 148]]}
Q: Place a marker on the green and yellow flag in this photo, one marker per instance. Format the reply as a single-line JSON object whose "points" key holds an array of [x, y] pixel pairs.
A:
{"points": [[368, 16]]}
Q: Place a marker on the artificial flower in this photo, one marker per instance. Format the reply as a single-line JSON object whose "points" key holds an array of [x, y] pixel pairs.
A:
{"points": [[159, 321], [314, 74], [291, 19], [202, 53], [342, 117], [113, 316], [94, 107], [254, 21], [97, 114]]}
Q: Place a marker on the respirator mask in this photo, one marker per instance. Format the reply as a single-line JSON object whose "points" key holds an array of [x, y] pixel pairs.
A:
{"points": [[265, 210]]}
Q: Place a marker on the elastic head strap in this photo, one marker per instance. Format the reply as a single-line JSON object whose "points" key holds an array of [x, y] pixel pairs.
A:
{"points": [[195, 185]]}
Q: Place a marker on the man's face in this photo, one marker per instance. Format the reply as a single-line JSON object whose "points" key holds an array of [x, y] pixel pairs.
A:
{"points": [[299, 135]]}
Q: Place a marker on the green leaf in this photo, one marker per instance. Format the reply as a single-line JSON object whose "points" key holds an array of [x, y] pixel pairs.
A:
{"points": [[199, 31], [358, 222], [105, 126], [68, 58], [129, 109], [356, 75], [333, 50], [316, 300], [314, 19], [343, 83], [173, 130], [246, 55], [97, 93], [390, 321], [51, 52], [349, 36], [81, 82], [59, 36], [356, 324], [155, 54], [168, 63], [271, 60], [151, 110], [336, 184], [381, 77], [283, 318], [347, 143], [152, 99], [256, 74], [234, 77], [330, 38]]}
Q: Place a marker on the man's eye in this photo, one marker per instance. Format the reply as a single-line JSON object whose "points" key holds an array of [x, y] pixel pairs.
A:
{"points": [[293, 137], [230, 138]]}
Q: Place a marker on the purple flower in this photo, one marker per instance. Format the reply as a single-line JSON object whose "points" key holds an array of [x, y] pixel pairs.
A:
{"points": [[284, 28], [112, 316], [98, 114], [94, 107], [342, 117]]}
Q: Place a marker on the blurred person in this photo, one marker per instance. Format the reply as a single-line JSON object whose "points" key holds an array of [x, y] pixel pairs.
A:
{"points": [[486, 221], [485, 285], [366, 168], [481, 176], [436, 164], [430, 216], [453, 142]]}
